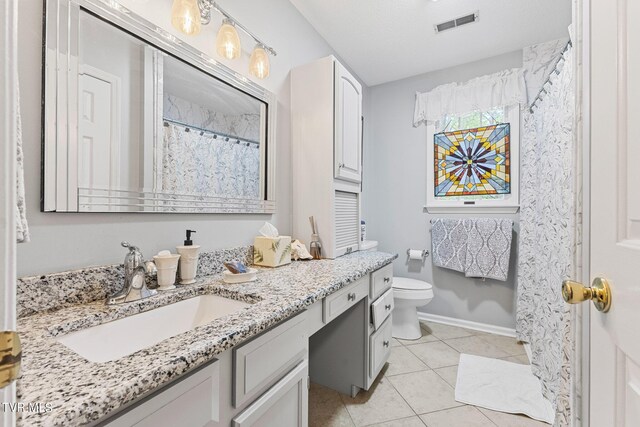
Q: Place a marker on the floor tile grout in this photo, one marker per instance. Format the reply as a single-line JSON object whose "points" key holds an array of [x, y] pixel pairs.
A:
{"points": [[434, 339], [405, 400], [455, 407]]}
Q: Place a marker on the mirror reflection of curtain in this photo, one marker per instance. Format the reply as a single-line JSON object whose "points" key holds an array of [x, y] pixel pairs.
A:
{"points": [[201, 165]]}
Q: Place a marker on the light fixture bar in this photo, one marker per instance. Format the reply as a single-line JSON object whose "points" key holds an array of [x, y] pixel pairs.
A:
{"points": [[205, 13]]}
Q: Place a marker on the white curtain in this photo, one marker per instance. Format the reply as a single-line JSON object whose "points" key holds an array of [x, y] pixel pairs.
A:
{"points": [[482, 93], [194, 164], [549, 230]]}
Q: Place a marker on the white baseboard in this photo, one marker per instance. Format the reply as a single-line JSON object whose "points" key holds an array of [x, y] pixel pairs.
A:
{"points": [[476, 326]]}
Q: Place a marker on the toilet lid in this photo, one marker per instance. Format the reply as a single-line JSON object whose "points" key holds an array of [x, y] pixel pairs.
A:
{"points": [[410, 284]]}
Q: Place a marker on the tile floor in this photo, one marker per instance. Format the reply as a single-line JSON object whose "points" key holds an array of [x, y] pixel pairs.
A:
{"points": [[416, 388]]}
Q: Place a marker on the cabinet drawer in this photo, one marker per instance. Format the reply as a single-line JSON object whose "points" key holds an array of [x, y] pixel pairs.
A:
{"points": [[283, 405], [336, 304], [262, 360], [381, 280], [380, 348], [381, 308]]}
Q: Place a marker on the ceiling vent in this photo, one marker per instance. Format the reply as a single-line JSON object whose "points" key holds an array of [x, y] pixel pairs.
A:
{"points": [[454, 23]]}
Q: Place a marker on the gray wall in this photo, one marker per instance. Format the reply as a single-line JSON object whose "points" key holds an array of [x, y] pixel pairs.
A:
{"points": [[395, 193], [68, 241]]}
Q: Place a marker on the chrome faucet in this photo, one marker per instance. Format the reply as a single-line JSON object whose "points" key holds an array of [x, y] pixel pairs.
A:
{"points": [[135, 271]]}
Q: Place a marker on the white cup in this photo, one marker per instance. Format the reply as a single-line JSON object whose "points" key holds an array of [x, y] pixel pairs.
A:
{"points": [[167, 266]]}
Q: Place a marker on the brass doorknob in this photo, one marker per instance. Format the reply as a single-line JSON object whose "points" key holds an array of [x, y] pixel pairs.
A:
{"points": [[10, 357], [599, 293]]}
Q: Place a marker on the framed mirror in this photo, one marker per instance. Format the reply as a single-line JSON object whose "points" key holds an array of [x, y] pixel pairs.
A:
{"points": [[137, 121]]}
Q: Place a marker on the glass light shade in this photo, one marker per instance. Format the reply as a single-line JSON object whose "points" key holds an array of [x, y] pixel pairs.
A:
{"points": [[228, 41], [185, 16], [259, 63]]}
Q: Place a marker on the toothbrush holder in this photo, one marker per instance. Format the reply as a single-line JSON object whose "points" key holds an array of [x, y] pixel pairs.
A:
{"points": [[167, 266]]}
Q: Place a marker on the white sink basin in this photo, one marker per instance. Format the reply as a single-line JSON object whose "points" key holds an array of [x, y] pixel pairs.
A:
{"points": [[122, 337]]}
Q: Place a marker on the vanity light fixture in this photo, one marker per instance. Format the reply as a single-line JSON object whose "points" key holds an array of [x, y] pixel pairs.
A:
{"points": [[228, 41], [185, 16], [259, 62]]}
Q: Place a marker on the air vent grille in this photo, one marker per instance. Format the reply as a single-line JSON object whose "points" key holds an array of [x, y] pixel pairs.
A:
{"points": [[454, 23]]}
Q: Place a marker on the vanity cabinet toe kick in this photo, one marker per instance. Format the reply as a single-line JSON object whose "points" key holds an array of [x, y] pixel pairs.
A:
{"points": [[265, 380]]}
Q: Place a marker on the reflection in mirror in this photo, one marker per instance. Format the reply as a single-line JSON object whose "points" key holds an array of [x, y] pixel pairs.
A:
{"points": [[211, 139], [111, 107], [155, 132]]}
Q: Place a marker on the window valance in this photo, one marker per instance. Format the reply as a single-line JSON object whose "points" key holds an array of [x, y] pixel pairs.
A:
{"points": [[482, 93]]}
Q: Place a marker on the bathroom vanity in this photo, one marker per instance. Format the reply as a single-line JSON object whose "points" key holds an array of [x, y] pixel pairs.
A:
{"points": [[326, 321], [206, 353]]}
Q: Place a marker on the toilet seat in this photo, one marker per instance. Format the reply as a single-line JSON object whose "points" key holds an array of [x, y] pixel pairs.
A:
{"points": [[413, 294], [406, 288], [404, 283]]}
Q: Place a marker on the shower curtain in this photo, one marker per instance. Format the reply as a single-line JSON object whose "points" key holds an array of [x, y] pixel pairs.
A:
{"points": [[549, 244], [194, 164]]}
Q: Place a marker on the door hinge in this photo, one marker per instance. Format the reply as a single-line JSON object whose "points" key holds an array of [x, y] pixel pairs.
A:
{"points": [[10, 357]]}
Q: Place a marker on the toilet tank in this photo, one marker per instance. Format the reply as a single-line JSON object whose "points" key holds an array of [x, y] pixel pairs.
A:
{"points": [[369, 245]]}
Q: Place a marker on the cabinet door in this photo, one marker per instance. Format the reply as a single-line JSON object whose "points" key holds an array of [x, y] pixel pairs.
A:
{"points": [[266, 358], [283, 405], [348, 126], [380, 348], [192, 400]]}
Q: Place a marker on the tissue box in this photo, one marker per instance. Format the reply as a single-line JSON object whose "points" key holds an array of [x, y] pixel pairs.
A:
{"points": [[272, 251]]}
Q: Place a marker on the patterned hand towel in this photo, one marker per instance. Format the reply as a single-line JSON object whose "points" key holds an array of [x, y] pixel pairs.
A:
{"points": [[449, 243], [488, 248]]}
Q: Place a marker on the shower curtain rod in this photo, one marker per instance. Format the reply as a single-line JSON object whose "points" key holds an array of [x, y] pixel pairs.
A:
{"points": [[227, 137], [548, 80]]}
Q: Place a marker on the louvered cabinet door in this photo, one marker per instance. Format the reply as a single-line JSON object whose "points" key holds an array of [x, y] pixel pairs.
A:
{"points": [[347, 222]]}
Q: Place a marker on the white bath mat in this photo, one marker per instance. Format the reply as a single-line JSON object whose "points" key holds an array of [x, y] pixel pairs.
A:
{"points": [[501, 386]]}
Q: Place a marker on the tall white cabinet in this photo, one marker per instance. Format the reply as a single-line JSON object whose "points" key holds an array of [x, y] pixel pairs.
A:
{"points": [[326, 120]]}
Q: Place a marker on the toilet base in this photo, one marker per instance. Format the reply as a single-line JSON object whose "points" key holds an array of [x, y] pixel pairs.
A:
{"points": [[405, 323]]}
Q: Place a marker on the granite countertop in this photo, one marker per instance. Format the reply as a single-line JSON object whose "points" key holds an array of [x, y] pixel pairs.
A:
{"points": [[80, 391]]}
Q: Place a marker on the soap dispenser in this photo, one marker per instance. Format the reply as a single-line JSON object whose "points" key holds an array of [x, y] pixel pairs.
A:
{"points": [[188, 260]]}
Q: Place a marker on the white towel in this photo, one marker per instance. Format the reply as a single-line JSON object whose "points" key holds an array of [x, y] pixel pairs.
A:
{"points": [[22, 227], [488, 248], [449, 243], [501, 386]]}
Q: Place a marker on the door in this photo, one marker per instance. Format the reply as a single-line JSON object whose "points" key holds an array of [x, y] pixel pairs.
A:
{"points": [[348, 126], [8, 135], [615, 211], [99, 130]]}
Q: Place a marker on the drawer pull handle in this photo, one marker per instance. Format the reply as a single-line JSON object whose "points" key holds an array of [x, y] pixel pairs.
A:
{"points": [[385, 343], [387, 307], [387, 279], [351, 296]]}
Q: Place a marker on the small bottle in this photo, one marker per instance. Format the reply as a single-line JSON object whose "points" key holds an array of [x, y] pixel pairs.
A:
{"points": [[188, 260], [363, 230], [315, 248]]}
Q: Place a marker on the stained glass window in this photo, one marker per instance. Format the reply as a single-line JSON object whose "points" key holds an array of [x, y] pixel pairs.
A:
{"points": [[472, 162]]}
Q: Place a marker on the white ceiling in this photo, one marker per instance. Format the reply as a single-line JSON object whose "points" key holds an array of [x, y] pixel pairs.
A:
{"points": [[386, 40]]}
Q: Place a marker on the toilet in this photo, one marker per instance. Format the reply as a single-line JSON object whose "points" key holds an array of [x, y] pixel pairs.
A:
{"points": [[408, 295]]}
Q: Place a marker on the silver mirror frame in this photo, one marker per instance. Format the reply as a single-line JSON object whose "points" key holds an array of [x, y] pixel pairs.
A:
{"points": [[60, 192]]}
